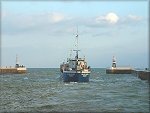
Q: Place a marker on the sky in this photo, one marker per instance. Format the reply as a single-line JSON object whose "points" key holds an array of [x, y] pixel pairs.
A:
{"points": [[42, 33]]}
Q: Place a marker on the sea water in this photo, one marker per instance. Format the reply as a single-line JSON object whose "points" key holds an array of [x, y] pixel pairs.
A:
{"points": [[42, 90]]}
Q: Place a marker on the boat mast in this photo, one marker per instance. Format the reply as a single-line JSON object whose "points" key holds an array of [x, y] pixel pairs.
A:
{"points": [[76, 44], [77, 38]]}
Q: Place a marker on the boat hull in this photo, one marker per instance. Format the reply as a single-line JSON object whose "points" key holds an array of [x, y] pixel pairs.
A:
{"points": [[75, 77]]}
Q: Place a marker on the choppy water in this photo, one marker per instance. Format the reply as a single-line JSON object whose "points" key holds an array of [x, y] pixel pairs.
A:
{"points": [[42, 90]]}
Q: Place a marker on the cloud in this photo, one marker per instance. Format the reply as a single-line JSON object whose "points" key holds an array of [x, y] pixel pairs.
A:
{"points": [[110, 18], [56, 17], [58, 23], [134, 17], [17, 23], [131, 20]]}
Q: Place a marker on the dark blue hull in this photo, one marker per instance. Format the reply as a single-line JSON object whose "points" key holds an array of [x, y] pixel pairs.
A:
{"points": [[75, 77]]}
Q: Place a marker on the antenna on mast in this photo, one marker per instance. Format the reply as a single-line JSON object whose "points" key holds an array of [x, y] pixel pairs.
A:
{"points": [[76, 44], [77, 38], [70, 55]]}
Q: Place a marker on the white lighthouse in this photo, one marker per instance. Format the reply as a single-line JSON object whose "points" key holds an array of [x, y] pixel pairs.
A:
{"points": [[114, 62]]}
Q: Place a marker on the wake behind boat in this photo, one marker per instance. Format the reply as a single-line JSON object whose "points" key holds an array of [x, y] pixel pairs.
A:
{"points": [[75, 69]]}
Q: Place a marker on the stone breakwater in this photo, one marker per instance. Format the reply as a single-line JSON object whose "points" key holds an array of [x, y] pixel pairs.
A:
{"points": [[119, 70], [13, 70], [142, 74]]}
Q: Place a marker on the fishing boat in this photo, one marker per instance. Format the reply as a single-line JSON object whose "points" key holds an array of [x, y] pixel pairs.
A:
{"points": [[75, 69]]}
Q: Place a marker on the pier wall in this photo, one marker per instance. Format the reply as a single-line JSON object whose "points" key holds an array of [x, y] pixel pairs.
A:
{"points": [[119, 71], [12, 70], [142, 74]]}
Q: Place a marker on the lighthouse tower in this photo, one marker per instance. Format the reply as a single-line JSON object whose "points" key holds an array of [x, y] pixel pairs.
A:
{"points": [[17, 62], [114, 62]]}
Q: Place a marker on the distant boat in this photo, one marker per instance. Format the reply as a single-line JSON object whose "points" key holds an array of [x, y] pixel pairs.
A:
{"points": [[75, 69], [118, 70], [18, 69]]}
